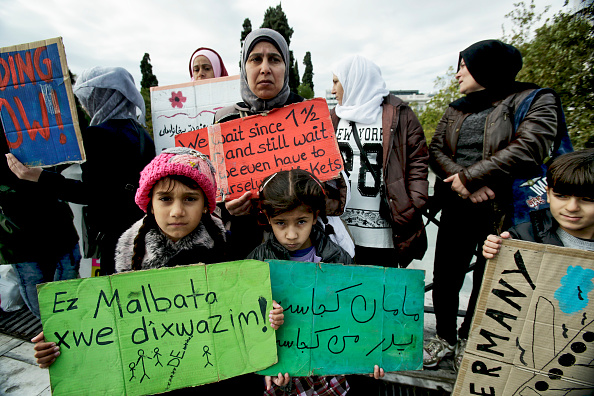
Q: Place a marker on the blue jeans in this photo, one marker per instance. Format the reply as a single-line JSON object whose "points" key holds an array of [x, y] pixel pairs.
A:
{"points": [[33, 273]]}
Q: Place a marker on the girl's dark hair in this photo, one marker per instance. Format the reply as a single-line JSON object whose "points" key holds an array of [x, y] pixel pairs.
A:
{"points": [[149, 222], [573, 174], [287, 190]]}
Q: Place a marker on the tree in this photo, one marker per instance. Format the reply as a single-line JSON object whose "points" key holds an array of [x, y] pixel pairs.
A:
{"points": [[436, 107], [305, 91], [148, 80], [247, 29], [293, 73], [560, 55], [275, 18], [308, 73]]}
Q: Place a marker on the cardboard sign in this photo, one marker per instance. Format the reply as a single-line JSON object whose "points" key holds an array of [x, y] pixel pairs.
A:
{"points": [[37, 105], [246, 150], [533, 329], [342, 319], [189, 106], [146, 332]]}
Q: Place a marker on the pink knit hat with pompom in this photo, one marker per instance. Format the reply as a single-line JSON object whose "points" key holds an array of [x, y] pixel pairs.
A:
{"points": [[178, 161]]}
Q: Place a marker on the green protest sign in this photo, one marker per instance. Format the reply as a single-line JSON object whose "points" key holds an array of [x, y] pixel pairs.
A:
{"points": [[147, 332], [342, 319]]}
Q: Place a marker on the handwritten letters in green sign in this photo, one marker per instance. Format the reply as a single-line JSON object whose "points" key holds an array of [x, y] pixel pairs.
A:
{"points": [[343, 319], [147, 332]]}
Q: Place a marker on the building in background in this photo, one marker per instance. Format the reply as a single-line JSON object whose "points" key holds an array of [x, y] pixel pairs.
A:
{"points": [[418, 101]]}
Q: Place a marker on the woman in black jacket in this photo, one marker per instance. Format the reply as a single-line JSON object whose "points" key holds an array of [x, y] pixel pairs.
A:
{"points": [[117, 149]]}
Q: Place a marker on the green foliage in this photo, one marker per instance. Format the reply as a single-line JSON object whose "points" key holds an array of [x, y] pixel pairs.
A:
{"points": [[148, 80], [146, 95], [448, 91], [305, 91], [308, 73], [275, 18], [295, 71], [247, 29], [560, 55]]}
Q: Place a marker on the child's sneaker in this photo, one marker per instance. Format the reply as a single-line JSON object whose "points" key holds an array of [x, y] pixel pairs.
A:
{"points": [[435, 351], [459, 353]]}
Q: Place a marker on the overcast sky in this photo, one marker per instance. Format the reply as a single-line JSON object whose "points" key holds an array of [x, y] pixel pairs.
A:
{"points": [[413, 42]]}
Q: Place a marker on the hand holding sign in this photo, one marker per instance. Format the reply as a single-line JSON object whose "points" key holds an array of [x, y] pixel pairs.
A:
{"points": [[21, 171], [246, 150]]}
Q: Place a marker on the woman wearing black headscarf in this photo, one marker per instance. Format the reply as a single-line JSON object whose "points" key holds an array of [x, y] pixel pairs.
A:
{"points": [[476, 153]]}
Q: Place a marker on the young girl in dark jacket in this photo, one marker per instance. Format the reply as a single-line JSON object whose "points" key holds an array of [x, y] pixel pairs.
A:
{"points": [[292, 202]]}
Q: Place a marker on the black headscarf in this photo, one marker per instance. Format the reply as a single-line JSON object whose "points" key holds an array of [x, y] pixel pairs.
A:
{"points": [[494, 65]]}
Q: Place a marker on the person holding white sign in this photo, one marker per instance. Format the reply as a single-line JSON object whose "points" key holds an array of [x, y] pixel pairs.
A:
{"points": [[206, 63]]}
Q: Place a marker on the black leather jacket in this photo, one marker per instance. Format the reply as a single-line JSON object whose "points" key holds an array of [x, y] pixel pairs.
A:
{"points": [[506, 154]]}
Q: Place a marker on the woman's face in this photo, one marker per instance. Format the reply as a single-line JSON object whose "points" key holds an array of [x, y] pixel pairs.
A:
{"points": [[265, 70], [337, 89], [467, 83], [202, 68]]}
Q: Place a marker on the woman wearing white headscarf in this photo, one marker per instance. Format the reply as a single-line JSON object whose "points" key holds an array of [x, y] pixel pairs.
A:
{"points": [[394, 143], [117, 149]]}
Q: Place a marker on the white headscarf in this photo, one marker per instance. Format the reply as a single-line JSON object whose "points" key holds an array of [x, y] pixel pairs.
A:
{"points": [[364, 89], [109, 93]]}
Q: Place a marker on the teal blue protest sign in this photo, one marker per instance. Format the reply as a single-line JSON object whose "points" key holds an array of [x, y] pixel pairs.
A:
{"points": [[342, 319]]}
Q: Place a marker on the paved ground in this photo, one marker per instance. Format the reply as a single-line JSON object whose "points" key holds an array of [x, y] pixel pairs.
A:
{"points": [[19, 375]]}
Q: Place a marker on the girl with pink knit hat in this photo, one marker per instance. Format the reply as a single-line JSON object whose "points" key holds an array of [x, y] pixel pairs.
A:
{"points": [[177, 192]]}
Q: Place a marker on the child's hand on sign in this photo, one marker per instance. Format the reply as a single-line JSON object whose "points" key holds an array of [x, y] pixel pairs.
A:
{"points": [[280, 380], [23, 172], [46, 352], [276, 316], [493, 243], [240, 206], [378, 372]]}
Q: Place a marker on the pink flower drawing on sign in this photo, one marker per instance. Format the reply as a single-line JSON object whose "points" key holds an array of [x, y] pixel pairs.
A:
{"points": [[177, 99]]}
